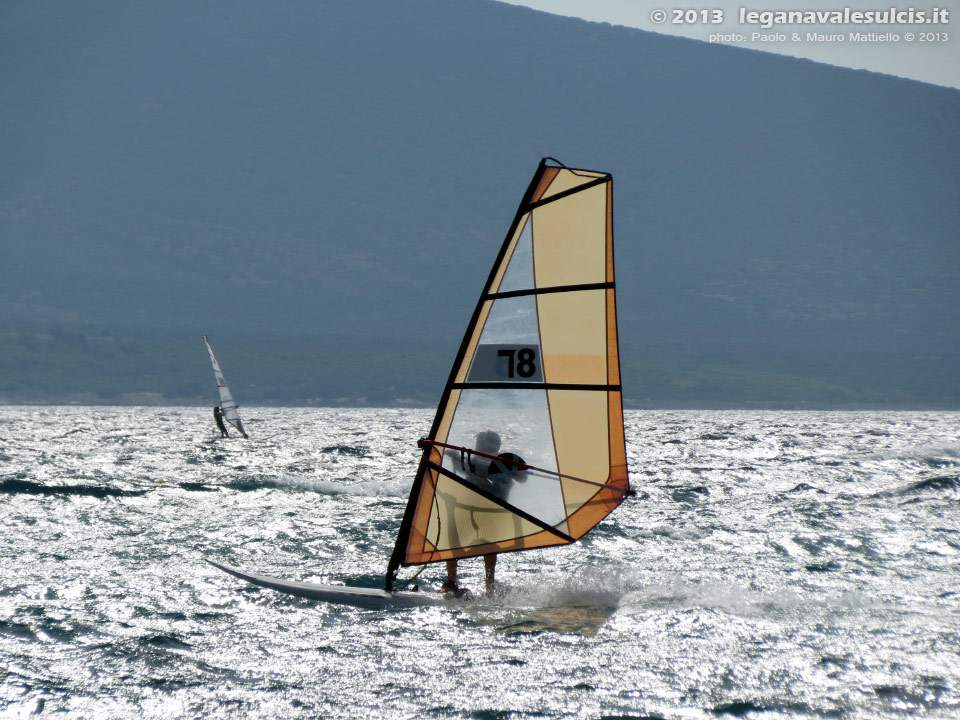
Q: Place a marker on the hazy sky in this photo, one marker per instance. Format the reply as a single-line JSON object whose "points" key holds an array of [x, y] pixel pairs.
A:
{"points": [[922, 51]]}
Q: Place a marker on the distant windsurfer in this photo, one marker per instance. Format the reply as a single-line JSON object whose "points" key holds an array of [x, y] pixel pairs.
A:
{"points": [[495, 473], [218, 416]]}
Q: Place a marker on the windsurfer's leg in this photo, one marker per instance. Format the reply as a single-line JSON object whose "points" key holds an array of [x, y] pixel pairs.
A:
{"points": [[489, 569], [450, 584]]}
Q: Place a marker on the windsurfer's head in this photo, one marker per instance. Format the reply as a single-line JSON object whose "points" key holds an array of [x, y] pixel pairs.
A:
{"points": [[488, 442]]}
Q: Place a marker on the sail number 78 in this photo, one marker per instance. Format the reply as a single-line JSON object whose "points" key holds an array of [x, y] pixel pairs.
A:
{"points": [[521, 362], [499, 362]]}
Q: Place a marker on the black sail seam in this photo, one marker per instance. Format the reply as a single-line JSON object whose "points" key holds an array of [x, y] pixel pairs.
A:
{"points": [[502, 503], [547, 290], [520, 385], [568, 193]]}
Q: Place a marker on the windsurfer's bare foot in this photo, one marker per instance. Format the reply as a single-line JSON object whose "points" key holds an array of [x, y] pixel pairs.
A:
{"points": [[454, 590], [451, 588]]}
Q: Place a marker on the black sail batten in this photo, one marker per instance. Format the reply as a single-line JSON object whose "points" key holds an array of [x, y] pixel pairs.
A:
{"points": [[502, 503], [566, 193], [521, 385], [407, 521], [548, 290]]}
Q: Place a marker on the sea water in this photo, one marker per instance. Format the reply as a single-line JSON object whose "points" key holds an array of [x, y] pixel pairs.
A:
{"points": [[772, 564]]}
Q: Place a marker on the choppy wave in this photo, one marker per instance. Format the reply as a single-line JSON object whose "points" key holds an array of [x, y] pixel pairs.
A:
{"points": [[351, 450], [26, 487], [340, 486], [930, 485]]}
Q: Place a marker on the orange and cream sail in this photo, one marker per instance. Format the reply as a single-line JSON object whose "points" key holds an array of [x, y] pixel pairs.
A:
{"points": [[539, 367]]}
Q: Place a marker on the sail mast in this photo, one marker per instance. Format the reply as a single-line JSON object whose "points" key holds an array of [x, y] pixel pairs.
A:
{"points": [[396, 559]]}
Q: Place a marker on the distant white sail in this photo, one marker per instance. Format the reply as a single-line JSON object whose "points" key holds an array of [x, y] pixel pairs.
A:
{"points": [[228, 406]]}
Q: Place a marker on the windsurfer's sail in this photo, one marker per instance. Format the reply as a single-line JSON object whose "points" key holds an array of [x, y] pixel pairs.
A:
{"points": [[228, 406], [538, 375]]}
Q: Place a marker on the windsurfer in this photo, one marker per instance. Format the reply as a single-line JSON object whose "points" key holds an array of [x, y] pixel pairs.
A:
{"points": [[218, 416], [496, 475]]}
